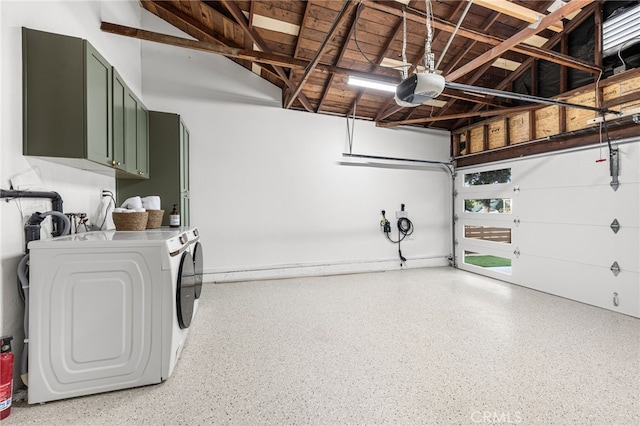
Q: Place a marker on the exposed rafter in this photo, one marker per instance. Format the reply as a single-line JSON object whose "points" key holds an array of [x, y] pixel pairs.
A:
{"points": [[418, 16], [517, 11], [343, 50], [231, 52], [518, 38], [241, 20], [348, 7], [286, 43]]}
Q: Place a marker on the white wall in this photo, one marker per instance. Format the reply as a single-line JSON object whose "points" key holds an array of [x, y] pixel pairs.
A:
{"points": [[266, 190], [564, 207], [79, 189]]}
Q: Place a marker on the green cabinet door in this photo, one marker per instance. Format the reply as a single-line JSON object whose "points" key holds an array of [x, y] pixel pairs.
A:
{"points": [[142, 143], [185, 204], [54, 99], [131, 131], [98, 98], [119, 121], [130, 134]]}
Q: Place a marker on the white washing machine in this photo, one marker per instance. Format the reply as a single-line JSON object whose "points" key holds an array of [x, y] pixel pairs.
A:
{"points": [[109, 310]]}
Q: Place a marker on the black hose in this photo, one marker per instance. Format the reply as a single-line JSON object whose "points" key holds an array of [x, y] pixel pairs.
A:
{"points": [[405, 228], [56, 204]]}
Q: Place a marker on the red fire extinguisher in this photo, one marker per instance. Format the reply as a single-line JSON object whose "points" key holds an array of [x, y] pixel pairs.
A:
{"points": [[6, 376]]}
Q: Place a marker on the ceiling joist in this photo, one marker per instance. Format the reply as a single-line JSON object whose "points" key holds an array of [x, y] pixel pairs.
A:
{"points": [[241, 20], [233, 52], [347, 8], [518, 38], [290, 44], [548, 55], [517, 11]]}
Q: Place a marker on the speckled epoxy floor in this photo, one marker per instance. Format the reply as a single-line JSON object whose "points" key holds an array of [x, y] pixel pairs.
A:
{"points": [[423, 346]]}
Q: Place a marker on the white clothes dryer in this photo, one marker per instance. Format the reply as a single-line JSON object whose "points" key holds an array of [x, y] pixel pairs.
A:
{"points": [[108, 310]]}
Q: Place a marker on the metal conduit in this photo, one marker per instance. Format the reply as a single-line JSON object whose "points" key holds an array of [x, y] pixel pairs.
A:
{"points": [[523, 97], [453, 34]]}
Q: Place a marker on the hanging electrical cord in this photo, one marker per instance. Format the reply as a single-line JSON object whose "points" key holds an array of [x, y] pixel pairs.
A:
{"points": [[357, 42], [405, 228], [355, 34], [622, 47]]}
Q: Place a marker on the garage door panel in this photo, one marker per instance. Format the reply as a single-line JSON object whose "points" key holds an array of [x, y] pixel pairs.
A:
{"points": [[590, 284], [553, 172], [593, 245], [576, 169], [584, 205]]}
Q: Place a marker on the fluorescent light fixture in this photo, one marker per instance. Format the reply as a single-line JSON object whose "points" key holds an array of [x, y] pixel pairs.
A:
{"points": [[372, 84]]}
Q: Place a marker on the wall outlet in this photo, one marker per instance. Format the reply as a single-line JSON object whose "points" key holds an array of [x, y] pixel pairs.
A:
{"points": [[401, 214]]}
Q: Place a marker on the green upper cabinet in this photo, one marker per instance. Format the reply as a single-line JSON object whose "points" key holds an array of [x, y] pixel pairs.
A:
{"points": [[78, 108]]}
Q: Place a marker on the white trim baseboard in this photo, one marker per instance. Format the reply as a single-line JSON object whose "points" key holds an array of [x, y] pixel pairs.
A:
{"points": [[321, 269]]}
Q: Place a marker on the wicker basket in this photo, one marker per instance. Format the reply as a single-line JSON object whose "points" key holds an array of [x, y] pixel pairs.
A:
{"points": [[130, 221], [155, 219]]}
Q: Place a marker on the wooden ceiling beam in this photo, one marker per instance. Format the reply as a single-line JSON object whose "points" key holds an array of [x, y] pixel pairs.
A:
{"points": [[307, 8], [593, 8], [419, 16], [347, 8], [241, 20], [517, 11], [469, 45], [450, 66], [475, 112], [236, 53], [489, 113], [517, 38], [231, 52], [343, 50], [202, 31]]}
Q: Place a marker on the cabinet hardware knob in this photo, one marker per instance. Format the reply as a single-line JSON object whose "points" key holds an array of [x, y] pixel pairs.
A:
{"points": [[113, 162], [118, 163]]}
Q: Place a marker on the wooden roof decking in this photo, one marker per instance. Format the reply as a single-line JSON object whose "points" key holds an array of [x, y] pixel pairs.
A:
{"points": [[279, 41]]}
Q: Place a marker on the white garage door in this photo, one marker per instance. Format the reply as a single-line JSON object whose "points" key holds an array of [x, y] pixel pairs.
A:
{"points": [[545, 223]]}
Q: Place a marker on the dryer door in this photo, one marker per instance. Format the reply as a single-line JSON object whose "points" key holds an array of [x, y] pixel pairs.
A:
{"points": [[197, 267], [185, 294]]}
